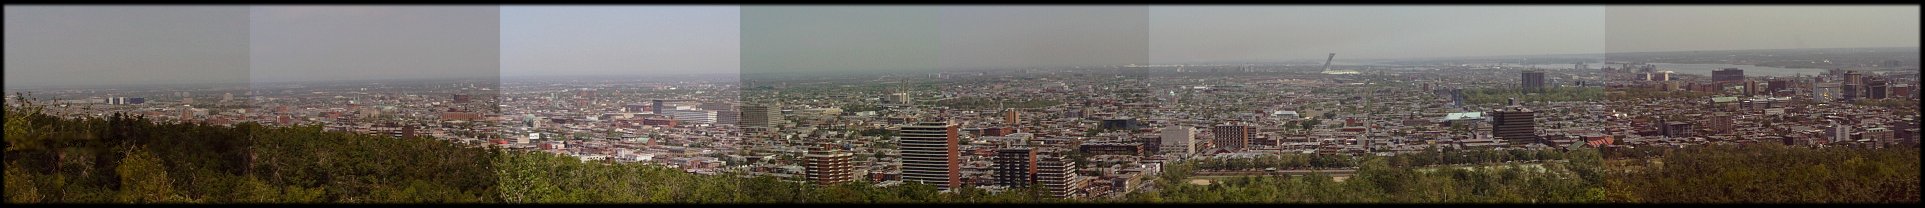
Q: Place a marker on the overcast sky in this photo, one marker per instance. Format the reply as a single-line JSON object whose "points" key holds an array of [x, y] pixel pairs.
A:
{"points": [[111, 45], [816, 38], [1680, 28], [1044, 36], [838, 38], [1181, 34], [49, 45], [309, 43], [619, 40]]}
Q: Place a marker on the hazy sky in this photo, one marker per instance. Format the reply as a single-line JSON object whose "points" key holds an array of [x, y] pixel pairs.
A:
{"points": [[309, 43], [1181, 34], [92, 45], [839, 38], [620, 40], [1677, 28], [853, 38], [1043, 36], [109, 45]]}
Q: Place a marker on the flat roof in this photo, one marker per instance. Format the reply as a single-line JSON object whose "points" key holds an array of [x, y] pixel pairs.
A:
{"points": [[1464, 115]]}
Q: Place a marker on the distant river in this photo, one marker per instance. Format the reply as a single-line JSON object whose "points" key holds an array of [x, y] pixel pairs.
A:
{"points": [[1698, 69], [1705, 69]]}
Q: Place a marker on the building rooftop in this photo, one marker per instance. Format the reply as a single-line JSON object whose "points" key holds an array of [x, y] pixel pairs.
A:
{"points": [[1464, 115]]}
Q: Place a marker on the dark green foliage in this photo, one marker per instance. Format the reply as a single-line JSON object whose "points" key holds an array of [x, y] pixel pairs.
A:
{"points": [[1761, 173], [1379, 180], [1768, 173], [132, 160]]}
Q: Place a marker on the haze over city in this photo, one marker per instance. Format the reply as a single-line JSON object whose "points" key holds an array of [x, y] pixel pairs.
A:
{"points": [[226, 44], [720, 104]]}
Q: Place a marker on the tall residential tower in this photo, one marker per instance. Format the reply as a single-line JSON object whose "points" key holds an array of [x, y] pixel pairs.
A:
{"points": [[931, 154]]}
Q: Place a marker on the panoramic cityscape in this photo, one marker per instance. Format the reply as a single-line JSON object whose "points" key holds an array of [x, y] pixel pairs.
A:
{"points": [[962, 104]]}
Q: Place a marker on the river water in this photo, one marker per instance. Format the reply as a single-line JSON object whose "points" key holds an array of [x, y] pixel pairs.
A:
{"points": [[1750, 71], [1697, 69]]}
